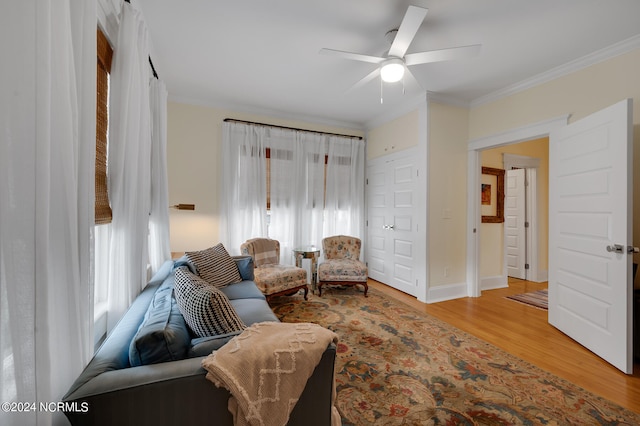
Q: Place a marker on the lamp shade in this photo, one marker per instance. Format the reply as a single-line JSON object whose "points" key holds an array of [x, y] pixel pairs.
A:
{"points": [[392, 70]]}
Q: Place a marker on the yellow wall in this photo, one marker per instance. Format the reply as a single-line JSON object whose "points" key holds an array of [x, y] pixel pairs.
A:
{"points": [[492, 234], [194, 141], [396, 135], [448, 137], [579, 94]]}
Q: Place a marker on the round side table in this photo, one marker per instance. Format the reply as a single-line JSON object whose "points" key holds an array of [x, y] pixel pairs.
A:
{"points": [[309, 252]]}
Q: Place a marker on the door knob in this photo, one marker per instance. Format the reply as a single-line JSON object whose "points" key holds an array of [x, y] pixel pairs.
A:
{"points": [[631, 249], [615, 248]]}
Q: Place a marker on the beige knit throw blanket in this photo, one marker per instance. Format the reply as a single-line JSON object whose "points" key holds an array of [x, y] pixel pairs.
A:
{"points": [[266, 368]]}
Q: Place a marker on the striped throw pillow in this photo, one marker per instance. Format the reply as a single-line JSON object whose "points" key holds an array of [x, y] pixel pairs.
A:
{"points": [[205, 309], [215, 265]]}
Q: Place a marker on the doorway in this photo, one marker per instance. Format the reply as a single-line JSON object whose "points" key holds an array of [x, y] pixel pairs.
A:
{"points": [[517, 246], [531, 132]]}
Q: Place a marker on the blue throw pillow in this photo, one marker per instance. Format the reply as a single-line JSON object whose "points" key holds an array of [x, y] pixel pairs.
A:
{"points": [[163, 335]]}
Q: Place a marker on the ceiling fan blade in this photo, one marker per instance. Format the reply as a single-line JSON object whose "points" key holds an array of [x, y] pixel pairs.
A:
{"points": [[373, 74], [407, 31], [410, 79], [352, 56], [442, 55]]}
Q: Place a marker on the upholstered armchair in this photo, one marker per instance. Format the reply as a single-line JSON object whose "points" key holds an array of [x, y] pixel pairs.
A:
{"points": [[272, 278], [342, 265]]}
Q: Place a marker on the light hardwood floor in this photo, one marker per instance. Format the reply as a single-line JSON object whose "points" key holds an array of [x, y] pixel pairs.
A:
{"points": [[524, 331]]}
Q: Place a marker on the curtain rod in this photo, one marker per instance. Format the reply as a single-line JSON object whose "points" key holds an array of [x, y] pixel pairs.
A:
{"points": [[153, 69], [226, 120]]}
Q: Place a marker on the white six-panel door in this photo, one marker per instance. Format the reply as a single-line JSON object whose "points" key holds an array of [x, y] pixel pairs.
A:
{"points": [[590, 224], [391, 229], [514, 223]]}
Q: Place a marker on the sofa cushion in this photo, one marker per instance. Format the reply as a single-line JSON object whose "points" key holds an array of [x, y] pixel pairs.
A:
{"points": [[215, 265], [205, 308], [163, 335], [253, 310], [243, 290]]}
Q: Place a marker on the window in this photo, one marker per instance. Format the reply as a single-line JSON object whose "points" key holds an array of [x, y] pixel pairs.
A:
{"points": [[102, 206], [105, 54]]}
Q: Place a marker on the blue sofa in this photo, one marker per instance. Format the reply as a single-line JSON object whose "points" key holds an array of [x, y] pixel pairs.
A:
{"points": [[148, 372]]}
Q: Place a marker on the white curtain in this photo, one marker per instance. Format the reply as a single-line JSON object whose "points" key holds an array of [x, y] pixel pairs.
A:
{"points": [[308, 201], [244, 190], [47, 160], [297, 189], [159, 247], [344, 209], [129, 167]]}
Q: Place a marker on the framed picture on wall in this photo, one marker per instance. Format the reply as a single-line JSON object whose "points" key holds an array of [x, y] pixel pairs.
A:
{"points": [[492, 195]]}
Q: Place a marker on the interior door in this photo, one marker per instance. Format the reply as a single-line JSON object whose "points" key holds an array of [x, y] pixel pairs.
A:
{"points": [[391, 225], [514, 220], [590, 229]]}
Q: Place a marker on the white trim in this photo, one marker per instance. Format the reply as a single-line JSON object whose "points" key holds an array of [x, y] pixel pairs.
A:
{"points": [[528, 132], [448, 100], [620, 48], [532, 213], [492, 283], [473, 224], [422, 221], [443, 293], [357, 128], [510, 161], [520, 134]]}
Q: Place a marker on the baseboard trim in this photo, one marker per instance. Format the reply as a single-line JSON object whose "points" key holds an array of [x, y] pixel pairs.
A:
{"points": [[446, 292], [492, 283]]}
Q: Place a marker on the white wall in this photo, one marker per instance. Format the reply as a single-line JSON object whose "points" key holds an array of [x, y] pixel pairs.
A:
{"points": [[194, 141]]}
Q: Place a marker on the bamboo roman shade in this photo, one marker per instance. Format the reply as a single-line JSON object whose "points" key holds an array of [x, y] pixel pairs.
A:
{"points": [[105, 53]]}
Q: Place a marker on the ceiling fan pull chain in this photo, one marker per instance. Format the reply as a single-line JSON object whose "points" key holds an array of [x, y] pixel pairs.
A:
{"points": [[381, 86]]}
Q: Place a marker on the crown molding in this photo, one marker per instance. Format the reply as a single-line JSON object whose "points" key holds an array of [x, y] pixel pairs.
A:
{"points": [[596, 57], [233, 107], [447, 100]]}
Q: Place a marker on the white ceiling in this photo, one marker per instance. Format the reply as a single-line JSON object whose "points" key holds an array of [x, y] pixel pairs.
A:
{"points": [[262, 55]]}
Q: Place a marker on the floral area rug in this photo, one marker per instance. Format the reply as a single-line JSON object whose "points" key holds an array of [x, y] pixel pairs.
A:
{"points": [[398, 366]]}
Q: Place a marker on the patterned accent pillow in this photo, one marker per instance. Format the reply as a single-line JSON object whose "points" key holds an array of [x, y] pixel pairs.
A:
{"points": [[215, 265], [205, 309]]}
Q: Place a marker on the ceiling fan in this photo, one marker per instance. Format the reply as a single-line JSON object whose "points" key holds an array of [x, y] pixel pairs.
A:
{"points": [[394, 65]]}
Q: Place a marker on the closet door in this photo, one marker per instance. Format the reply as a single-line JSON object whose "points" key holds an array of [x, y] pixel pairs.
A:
{"points": [[391, 252]]}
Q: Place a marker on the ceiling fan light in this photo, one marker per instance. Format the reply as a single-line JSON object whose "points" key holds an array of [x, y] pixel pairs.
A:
{"points": [[392, 70]]}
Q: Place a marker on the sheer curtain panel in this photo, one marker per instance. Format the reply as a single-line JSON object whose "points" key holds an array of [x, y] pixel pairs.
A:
{"points": [[244, 187], [129, 164], [297, 189], [159, 248], [47, 115], [344, 205]]}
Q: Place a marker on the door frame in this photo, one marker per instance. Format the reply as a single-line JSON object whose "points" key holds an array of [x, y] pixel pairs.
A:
{"points": [[520, 134]]}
